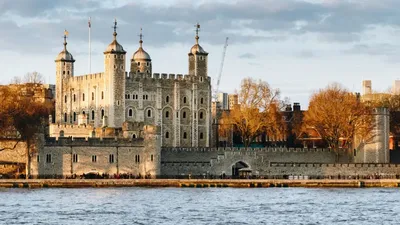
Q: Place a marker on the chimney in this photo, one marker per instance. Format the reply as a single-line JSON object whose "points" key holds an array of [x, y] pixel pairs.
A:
{"points": [[296, 106]]}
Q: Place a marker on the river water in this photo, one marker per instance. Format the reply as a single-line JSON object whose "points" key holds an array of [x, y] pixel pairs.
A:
{"points": [[199, 206]]}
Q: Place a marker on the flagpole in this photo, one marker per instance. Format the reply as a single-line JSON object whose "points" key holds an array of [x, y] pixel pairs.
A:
{"points": [[90, 48]]}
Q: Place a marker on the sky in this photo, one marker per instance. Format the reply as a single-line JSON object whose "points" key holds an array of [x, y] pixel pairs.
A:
{"points": [[297, 46]]}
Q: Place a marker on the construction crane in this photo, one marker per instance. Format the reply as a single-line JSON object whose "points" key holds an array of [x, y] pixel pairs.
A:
{"points": [[220, 71]]}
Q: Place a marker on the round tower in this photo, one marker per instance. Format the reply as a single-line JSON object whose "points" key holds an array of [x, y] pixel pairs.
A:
{"points": [[114, 72], [198, 58], [141, 61], [64, 70]]}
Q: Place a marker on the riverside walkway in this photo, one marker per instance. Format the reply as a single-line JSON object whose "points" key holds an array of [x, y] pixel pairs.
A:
{"points": [[195, 183]]}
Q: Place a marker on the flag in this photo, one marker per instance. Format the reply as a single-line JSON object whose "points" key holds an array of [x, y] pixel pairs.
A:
{"points": [[90, 24]]}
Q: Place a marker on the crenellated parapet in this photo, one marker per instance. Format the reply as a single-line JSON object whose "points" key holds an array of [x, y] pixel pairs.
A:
{"points": [[87, 77], [133, 76], [97, 142], [245, 150]]}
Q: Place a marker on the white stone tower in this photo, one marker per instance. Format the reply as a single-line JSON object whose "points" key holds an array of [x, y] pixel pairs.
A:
{"points": [[114, 72], [141, 61], [64, 71]]}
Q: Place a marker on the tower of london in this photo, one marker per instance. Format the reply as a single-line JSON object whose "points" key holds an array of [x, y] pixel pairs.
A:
{"points": [[115, 101]]}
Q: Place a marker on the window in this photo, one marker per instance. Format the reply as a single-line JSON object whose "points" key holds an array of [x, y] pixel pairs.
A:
{"points": [[137, 158], [149, 113], [74, 116], [63, 72], [138, 71], [151, 158], [184, 115], [134, 136], [65, 99], [147, 63], [184, 135], [166, 114], [92, 114], [65, 117], [83, 97], [38, 158], [115, 56], [184, 99], [48, 158], [94, 158], [167, 99], [111, 158], [75, 158], [102, 95], [201, 115], [92, 96], [138, 63], [68, 72], [83, 112], [167, 134], [201, 136], [201, 101], [130, 113], [102, 113], [74, 98]]}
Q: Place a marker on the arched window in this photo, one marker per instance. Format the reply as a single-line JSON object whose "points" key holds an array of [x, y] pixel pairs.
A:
{"points": [[184, 135], [102, 95], [167, 134], [134, 136], [184, 115], [83, 97], [166, 114], [138, 63], [184, 99], [167, 99], [65, 99], [201, 101], [65, 117], [74, 116], [92, 96], [102, 113], [138, 71], [201, 115], [92, 114], [74, 98], [201, 136], [130, 113], [149, 113]]}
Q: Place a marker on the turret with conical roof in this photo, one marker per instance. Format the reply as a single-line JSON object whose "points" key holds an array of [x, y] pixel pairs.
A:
{"points": [[198, 58], [141, 61], [114, 65], [64, 71]]}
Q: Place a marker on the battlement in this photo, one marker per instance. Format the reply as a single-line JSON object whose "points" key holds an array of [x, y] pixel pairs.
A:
{"points": [[161, 76], [246, 150], [87, 77], [98, 142], [72, 126]]}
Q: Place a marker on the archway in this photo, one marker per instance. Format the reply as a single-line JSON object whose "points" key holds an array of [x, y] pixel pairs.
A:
{"points": [[241, 170]]}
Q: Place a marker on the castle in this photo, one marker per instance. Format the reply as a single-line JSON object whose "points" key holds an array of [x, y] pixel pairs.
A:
{"points": [[179, 104]]}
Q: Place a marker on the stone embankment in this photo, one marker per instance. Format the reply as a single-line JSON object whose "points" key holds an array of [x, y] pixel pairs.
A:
{"points": [[194, 183]]}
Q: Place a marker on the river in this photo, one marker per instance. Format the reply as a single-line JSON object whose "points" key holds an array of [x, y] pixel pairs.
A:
{"points": [[200, 206]]}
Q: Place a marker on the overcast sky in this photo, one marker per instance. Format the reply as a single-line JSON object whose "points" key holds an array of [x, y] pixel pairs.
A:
{"points": [[297, 46]]}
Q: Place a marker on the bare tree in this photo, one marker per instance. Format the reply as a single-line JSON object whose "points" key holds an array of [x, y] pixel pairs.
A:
{"points": [[258, 112], [29, 78]]}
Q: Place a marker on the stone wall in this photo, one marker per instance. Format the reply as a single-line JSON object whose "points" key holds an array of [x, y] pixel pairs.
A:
{"points": [[16, 155], [178, 161]]}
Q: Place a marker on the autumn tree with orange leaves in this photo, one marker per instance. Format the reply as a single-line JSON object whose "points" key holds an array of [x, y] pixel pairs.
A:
{"points": [[257, 113], [22, 116], [338, 115]]}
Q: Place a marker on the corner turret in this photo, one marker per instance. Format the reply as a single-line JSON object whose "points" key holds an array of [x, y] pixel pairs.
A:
{"points": [[141, 61], [198, 58]]}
